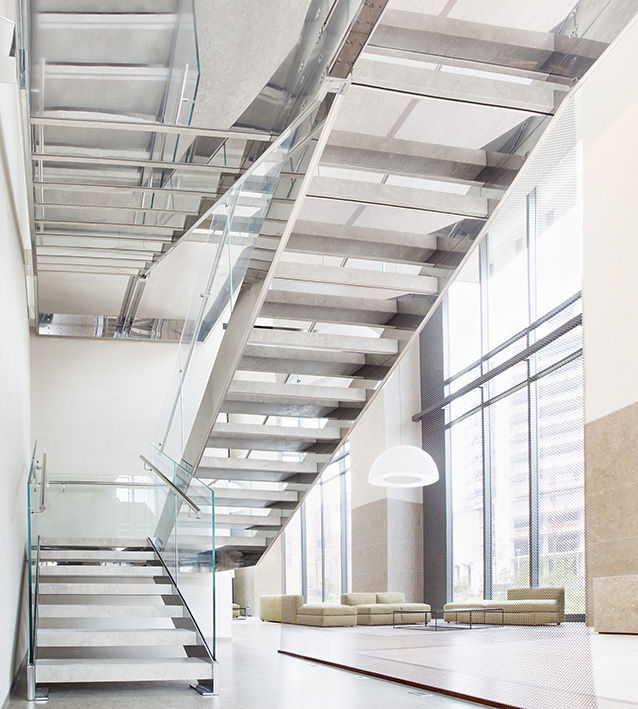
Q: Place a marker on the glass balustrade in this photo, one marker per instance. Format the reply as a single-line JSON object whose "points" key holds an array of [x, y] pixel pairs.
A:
{"points": [[254, 210], [146, 509]]}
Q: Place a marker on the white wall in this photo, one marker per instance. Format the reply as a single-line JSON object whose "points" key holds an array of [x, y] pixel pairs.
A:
{"points": [[96, 403], [15, 434], [607, 106]]}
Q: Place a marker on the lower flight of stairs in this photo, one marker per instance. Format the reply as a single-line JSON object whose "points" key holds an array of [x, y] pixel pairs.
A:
{"points": [[109, 612]]}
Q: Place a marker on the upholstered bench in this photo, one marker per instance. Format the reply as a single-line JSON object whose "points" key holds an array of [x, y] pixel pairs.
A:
{"points": [[524, 606], [326, 615], [379, 608], [291, 609]]}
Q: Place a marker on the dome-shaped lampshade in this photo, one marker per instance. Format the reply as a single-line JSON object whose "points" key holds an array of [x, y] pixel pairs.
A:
{"points": [[403, 466]]}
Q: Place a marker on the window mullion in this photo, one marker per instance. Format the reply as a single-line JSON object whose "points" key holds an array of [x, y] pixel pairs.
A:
{"points": [[485, 425], [304, 555], [532, 392]]}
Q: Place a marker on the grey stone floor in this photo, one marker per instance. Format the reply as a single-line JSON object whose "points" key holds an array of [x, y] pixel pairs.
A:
{"points": [[253, 675]]}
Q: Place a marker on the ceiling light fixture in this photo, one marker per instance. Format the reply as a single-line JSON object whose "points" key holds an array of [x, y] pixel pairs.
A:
{"points": [[403, 466]]}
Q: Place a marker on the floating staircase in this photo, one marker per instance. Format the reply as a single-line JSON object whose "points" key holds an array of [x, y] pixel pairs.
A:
{"points": [[108, 611]]}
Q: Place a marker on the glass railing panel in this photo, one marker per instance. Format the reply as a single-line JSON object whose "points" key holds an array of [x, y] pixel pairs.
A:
{"points": [[34, 504], [129, 509], [260, 200], [185, 540], [117, 507], [184, 82]]}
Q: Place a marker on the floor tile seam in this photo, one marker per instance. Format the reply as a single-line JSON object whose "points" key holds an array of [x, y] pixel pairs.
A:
{"points": [[480, 676]]}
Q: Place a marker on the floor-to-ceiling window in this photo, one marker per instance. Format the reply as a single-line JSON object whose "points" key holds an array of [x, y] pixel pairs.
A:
{"points": [[317, 539], [514, 394]]}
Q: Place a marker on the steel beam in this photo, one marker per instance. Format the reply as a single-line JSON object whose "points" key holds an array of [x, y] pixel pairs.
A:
{"points": [[74, 236], [218, 466], [113, 260], [59, 223], [128, 188], [79, 250], [122, 162], [280, 438], [523, 49], [150, 127], [148, 210], [287, 360], [230, 497], [539, 98], [357, 277], [376, 244], [93, 252], [298, 393], [383, 195], [359, 151], [318, 341], [272, 520], [405, 312]]}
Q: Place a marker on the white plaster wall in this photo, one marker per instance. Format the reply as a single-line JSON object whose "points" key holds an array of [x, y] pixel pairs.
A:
{"points": [[15, 436], [223, 603], [96, 403], [269, 573], [607, 109]]}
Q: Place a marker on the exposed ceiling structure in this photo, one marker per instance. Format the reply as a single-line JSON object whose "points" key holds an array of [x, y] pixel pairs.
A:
{"points": [[409, 156], [121, 170]]}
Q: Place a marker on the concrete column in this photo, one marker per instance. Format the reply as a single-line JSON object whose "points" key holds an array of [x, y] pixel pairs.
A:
{"points": [[435, 542], [387, 523], [607, 108]]}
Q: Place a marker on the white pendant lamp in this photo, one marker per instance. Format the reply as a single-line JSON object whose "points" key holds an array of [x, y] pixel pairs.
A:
{"points": [[403, 466]]}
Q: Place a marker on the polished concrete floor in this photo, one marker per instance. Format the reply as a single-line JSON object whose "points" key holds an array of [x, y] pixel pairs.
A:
{"points": [[543, 667], [253, 675]]}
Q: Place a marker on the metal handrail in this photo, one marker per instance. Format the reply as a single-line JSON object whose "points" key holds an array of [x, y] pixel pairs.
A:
{"points": [[35, 602], [210, 654], [173, 487], [112, 483], [43, 482]]}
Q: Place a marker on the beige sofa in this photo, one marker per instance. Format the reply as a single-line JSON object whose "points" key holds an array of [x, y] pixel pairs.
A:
{"points": [[378, 608], [524, 606], [291, 609]]}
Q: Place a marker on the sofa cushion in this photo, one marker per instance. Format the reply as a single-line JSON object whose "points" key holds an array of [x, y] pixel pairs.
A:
{"points": [[537, 605], [414, 607], [465, 604], [390, 597], [357, 599], [326, 609], [545, 592], [377, 608]]}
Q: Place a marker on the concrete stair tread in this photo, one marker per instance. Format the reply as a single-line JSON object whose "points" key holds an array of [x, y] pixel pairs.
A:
{"points": [[96, 543], [101, 555], [108, 610], [104, 588], [100, 570], [121, 669], [111, 578], [129, 637]]}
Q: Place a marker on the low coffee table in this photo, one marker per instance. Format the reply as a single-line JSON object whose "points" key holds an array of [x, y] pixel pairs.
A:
{"points": [[440, 615], [410, 612], [471, 610]]}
